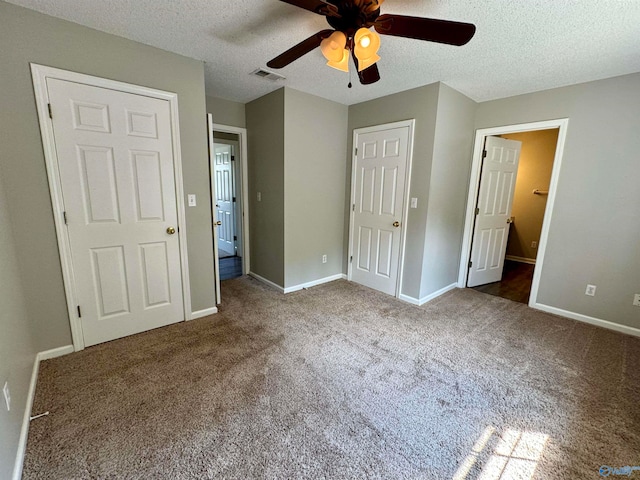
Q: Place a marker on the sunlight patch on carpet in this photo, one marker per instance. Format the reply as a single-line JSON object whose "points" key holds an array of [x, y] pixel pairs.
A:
{"points": [[515, 455]]}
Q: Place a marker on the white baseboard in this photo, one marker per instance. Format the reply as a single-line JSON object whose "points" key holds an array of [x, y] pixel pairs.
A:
{"points": [[203, 313], [408, 299], [265, 281], [428, 298], [320, 281], [54, 353], [530, 261], [302, 286], [587, 319], [24, 431]]}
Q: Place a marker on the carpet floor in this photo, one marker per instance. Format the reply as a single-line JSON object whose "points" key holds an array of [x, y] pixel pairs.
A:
{"points": [[337, 382]]}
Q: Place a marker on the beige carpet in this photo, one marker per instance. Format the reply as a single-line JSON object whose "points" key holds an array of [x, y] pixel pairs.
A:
{"points": [[342, 382]]}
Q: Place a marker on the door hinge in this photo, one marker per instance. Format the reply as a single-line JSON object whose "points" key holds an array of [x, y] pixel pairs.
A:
{"points": [[233, 158], [354, 207], [64, 215], [235, 238], [477, 211], [484, 154], [356, 151], [470, 263], [79, 312], [50, 111], [351, 259], [234, 199]]}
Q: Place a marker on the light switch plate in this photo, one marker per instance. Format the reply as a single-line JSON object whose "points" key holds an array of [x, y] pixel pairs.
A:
{"points": [[191, 199], [414, 202]]}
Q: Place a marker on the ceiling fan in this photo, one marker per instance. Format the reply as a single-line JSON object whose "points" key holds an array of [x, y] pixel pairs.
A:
{"points": [[350, 35]]}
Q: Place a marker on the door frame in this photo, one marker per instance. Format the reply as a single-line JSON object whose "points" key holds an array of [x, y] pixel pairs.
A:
{"points": [[405, 207], [244, 186], [40, 74], [562, 125]]}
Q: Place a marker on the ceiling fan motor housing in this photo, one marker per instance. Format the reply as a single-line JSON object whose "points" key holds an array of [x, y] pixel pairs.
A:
{"points": [[351, 17]]}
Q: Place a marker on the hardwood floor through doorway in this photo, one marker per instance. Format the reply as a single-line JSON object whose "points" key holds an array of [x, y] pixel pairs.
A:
{"points": [[230, 267], [515, 284]]}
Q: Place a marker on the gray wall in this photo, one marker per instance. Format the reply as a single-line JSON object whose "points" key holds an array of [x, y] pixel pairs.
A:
{"points": [[227, 112], [232, 137], [448, 189], [17, 351], [315, 141], [27, 36], [265, 142], [421, 104], [595, 230]]}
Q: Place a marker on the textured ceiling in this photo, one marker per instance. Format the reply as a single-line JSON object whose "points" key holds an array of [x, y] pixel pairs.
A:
{"points": [[520, 46]]}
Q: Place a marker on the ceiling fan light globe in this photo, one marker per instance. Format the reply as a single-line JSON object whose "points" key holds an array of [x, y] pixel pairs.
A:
{"points": [[367, 62], [367, 44], [343, 64], [332, 47]]}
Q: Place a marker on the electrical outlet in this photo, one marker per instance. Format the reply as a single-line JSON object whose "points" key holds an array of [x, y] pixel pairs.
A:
{"points": [[591, 290], [534, 244], [7, 395], [259, 196], [191, 199], [414, 202], [636, 299], [324, 259]]}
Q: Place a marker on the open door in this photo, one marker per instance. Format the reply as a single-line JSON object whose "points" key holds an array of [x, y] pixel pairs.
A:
{"points": [[214, 218], [225, 197], [493, 210]]}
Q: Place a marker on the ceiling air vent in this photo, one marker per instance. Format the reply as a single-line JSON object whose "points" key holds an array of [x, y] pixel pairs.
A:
{"points": [[268, 75]]}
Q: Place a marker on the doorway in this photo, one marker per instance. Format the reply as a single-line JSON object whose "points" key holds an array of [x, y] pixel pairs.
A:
{"points": [[518, 259], [527, 214], [229, 201]]}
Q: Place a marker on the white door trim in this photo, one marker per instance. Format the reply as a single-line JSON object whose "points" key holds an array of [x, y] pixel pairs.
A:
{"points": [[39, 74], [214, 212], [244, 175], [407, 182], [474, 183]]}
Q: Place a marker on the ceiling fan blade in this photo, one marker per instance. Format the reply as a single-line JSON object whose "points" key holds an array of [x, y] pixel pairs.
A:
{"points": [[299, 50], [368, 75], [430, 29], [317, 6]]}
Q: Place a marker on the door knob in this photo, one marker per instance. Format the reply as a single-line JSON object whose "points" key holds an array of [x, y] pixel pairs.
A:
{"points": [[171, 230], [218, 223], [396, 224], [510, 220]]}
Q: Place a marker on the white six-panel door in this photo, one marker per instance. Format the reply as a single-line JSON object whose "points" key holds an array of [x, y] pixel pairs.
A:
{"points": [[115, 158], [379, 181], [493, 218], [224, 196]]}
